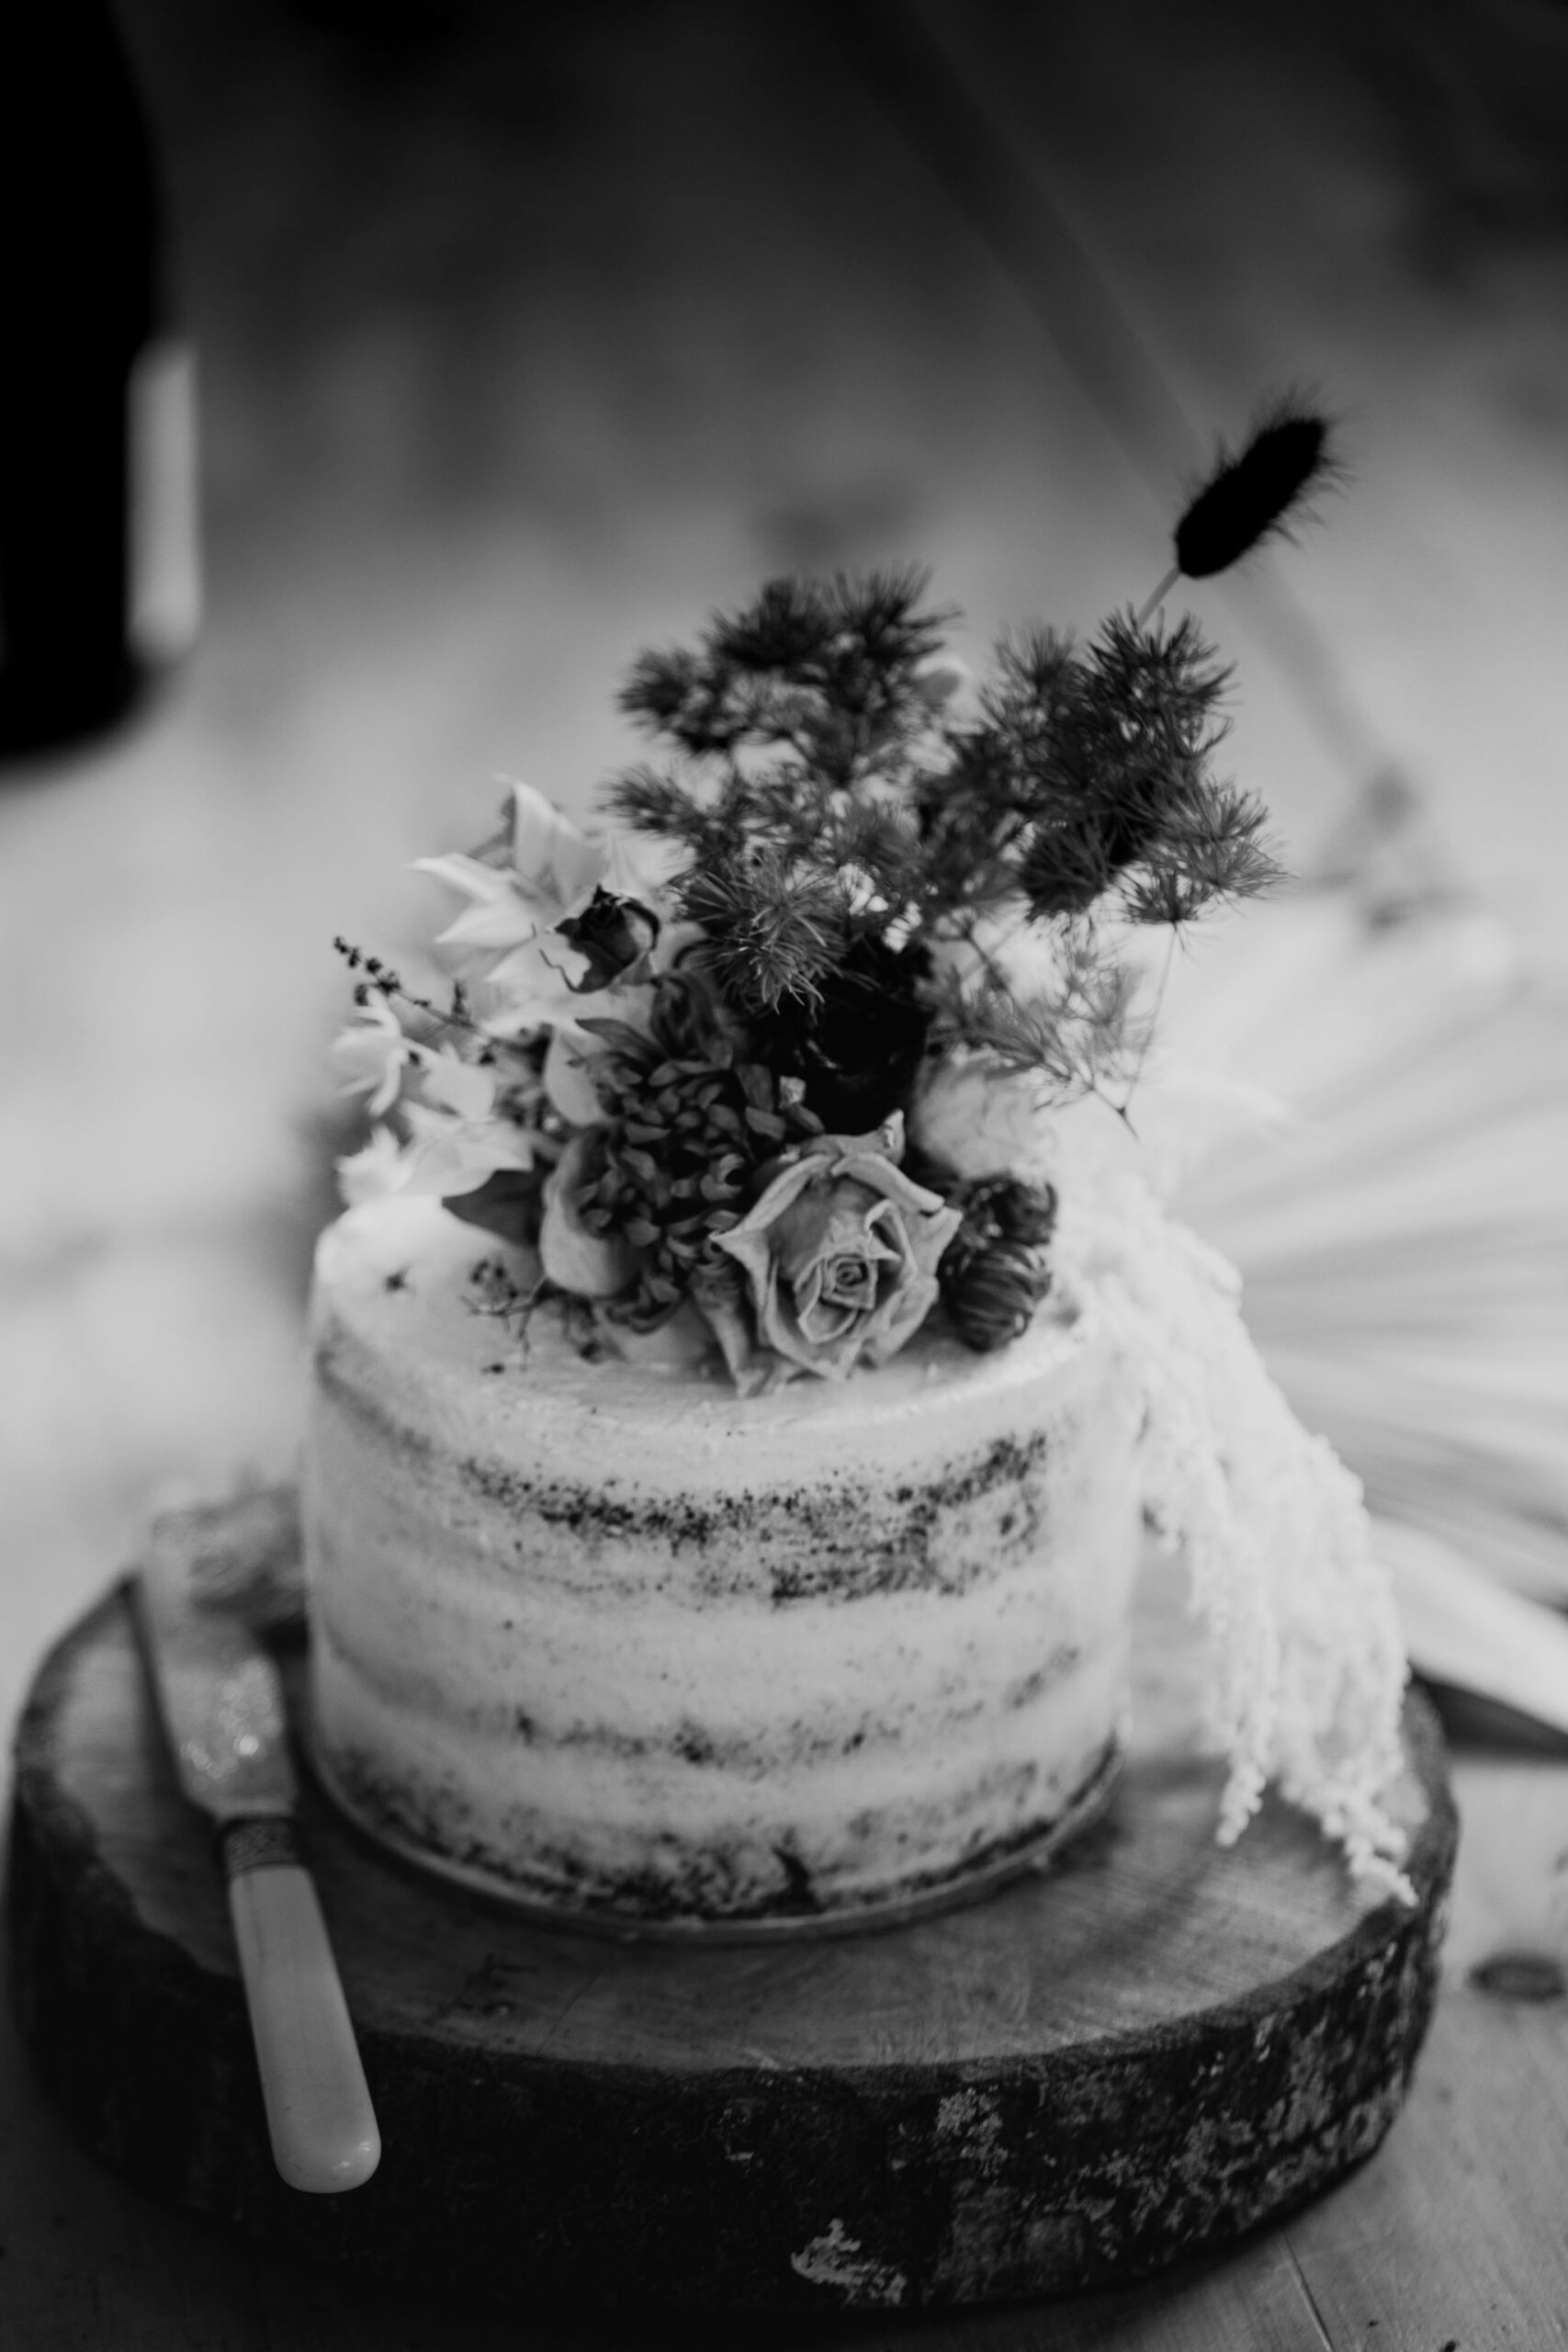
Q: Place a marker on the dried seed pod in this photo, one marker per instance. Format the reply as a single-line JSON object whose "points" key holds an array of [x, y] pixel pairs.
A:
{"points": [[991, 1293], [1025, 1213]]}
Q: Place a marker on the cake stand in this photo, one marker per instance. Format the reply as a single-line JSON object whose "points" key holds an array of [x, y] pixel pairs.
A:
{"points": [[1141, 2051]]}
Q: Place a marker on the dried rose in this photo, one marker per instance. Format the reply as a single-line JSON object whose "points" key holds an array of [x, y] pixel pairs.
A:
{"points": [[840, 1254]]}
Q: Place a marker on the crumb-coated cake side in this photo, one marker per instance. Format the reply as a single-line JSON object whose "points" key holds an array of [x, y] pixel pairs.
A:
{"points": [[637, 1647]]}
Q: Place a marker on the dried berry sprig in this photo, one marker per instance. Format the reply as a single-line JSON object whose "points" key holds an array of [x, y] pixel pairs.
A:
{"points": [[380, 978], [492, 1292]]}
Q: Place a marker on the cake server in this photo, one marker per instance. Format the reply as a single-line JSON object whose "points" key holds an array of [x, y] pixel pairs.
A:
{"points": [[221, 1704]]}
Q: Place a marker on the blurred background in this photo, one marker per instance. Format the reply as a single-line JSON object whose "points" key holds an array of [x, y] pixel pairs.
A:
{"points": [[526, 336]]}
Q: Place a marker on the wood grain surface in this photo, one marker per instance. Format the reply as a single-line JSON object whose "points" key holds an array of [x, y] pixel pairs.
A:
{"points": [[1144, 2050]]}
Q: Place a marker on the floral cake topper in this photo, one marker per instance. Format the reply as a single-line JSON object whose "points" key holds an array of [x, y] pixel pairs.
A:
{"points": [[757, 1063]]}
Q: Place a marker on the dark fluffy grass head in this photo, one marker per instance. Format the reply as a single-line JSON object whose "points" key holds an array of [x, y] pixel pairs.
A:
{"points": [[1257, 494]]}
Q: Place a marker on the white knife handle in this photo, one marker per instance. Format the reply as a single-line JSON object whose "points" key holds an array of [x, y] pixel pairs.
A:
{"points": [[318, 2116]]}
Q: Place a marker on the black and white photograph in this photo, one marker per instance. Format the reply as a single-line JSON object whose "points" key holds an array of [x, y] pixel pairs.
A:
{"points": [[783, 1226]]}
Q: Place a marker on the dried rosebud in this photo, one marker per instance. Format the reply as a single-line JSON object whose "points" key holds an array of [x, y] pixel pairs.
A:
{"points": [[991, 1293], [614, 935]]}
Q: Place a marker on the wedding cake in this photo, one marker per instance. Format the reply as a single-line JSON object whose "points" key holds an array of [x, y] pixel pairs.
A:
{"points": [[624, 1641], [748, 1363]]}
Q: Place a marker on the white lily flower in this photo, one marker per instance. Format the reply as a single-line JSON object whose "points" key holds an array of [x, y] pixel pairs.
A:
{"points": [[642, 867], [373, 1054], [555, 861], [536, 986], [497, 917], [446, 1153], [508, 938], [452, 1084], [374, 1172], [539, 987], [555, 870], [515, 911]]}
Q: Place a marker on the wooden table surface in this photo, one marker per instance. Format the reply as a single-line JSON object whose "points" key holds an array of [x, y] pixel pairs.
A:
{"points": [[1451, 2236], [527, 340]]}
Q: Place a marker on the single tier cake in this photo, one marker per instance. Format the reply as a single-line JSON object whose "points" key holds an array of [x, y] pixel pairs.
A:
{"points": [[741, 1378], [626, 1642]]}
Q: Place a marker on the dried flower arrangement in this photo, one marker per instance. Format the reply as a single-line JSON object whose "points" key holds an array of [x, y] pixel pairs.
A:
{"points": [[752, 1064], [772, 1067]]}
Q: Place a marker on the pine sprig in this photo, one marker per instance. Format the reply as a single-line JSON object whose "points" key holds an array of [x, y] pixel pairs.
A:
{"points": [[1126, 768], [1083, 763], [833, 818], [878, 845], [649, 801], [1211, 849], [974, 810], [823, 669], [1076, 1037], [773, 927]]}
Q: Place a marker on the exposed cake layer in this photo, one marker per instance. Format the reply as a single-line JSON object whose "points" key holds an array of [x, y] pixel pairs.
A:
{"points": [[635, 1645]]}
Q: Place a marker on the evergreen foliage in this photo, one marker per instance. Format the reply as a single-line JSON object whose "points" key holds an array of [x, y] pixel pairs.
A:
{"points": [[833, 812]]}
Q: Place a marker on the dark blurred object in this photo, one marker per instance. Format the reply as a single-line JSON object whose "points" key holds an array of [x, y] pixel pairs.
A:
{"points": [[98, 571]]}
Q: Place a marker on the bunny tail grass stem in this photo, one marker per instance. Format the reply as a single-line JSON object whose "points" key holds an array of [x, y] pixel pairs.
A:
{"points": [[1152, 603], [1124, 1106]]}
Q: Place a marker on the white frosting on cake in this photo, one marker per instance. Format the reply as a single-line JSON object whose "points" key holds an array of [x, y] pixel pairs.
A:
{"points": [[637, 1648]]}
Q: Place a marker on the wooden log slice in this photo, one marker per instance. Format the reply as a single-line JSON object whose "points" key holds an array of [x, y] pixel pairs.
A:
{"points": [[1147, 2048]]}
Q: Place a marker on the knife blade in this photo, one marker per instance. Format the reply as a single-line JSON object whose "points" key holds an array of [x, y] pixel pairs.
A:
{"points": [[221, 1701]]}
